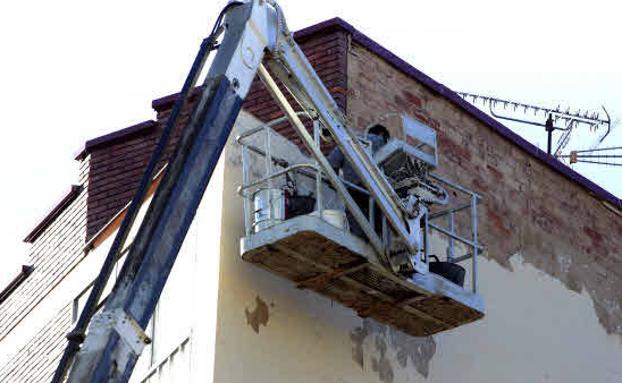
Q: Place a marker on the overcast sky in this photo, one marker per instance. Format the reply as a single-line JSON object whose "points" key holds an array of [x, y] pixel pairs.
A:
{"points": [[74, 70]]}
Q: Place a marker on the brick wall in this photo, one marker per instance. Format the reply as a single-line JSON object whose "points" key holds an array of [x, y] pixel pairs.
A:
{"points": [[116, 171], [117, 164], [38, 360], [111, 168], [53, 255], [528, 208], [327, 54]]}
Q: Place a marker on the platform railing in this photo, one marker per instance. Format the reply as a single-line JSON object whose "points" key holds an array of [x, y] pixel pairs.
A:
{"points": [[312, 170], [451, 232]]}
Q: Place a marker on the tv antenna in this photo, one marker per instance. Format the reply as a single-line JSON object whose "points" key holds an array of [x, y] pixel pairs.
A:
{"points": [[549, 119], [601, 156]]}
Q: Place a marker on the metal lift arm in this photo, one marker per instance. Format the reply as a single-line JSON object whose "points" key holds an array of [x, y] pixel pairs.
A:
{"points": [[292, 67], [253, 29]]}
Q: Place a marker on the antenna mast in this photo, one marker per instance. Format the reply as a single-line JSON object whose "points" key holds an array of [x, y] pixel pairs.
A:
{"points": [[570, 120]]}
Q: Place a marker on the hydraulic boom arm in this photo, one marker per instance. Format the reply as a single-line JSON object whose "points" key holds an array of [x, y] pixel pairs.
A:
{"points": [[254, 31]]}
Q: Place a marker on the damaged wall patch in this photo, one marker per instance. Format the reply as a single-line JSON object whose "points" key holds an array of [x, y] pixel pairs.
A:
{"points": [[418, 350], [258, 316]]}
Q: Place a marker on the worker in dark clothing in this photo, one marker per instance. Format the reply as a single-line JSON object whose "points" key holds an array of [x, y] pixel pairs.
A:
{"points": [[378, 136]]}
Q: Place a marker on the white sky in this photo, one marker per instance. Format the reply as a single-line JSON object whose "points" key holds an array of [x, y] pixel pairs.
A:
{"points": [[74, 70]]}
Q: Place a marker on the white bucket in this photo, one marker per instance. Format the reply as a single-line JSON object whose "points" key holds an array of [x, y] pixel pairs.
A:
{"points": [[334, 217]]}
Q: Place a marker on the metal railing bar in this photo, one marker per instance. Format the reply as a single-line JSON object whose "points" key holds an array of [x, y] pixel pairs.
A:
{"points": [[453, 185], [242, 188], [247, 199], [268, 124], [318, 173], [466, 256], [453, 235], [443, 213], [474, 239], [452, 228], [284, 164], [275, 160]]}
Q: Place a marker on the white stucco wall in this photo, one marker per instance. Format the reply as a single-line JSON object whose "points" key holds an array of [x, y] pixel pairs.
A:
{"points": [[248, 325], [535, 330]]}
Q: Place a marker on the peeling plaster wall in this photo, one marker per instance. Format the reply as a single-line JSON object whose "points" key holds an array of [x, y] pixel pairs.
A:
{"points": [[551, 278], [536, 328], [527, 207]]}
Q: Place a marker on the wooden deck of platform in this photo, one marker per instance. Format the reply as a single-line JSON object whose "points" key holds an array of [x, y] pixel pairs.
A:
{"points": [[317, 256]]}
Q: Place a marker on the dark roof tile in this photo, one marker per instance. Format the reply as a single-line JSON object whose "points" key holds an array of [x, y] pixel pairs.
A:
{"points": [[64, 202], [115, 136]]}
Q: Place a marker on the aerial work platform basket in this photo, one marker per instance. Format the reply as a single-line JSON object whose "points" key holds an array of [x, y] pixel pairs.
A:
{"points": [[313, 248], [314, 255]]}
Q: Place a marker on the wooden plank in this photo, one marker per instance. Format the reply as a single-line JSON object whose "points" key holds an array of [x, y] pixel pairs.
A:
{"points": [[330, 268], [370, 291], [335, 273], [407, 301]]}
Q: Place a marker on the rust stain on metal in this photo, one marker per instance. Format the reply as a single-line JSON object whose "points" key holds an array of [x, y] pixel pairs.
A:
{"points": [[259, 315]]}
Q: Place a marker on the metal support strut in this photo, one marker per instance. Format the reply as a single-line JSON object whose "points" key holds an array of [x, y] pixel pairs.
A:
{"points": [[77, 335]]}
